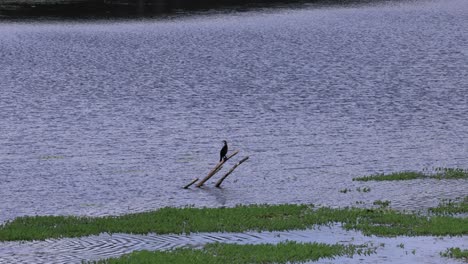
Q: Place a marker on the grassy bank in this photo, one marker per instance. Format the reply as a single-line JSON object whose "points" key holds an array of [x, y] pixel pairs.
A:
{"points": [[381, 222], [440, 173], [232, 253]]}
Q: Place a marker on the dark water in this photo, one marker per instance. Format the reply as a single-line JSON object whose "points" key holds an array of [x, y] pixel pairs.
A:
{"points": [[103, 118], [117, 9]]}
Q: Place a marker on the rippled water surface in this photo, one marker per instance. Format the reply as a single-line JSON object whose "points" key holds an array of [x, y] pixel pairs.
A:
{"points": [[388, 250], [110, 117]]}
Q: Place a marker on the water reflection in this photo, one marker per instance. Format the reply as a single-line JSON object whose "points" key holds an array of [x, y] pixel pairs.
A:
{"points": [[144, 8], [123, 8]]}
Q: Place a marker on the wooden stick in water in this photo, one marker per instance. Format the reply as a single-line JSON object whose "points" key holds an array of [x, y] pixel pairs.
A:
{"points": [[190, 184], [230, 171], [216, 169]]}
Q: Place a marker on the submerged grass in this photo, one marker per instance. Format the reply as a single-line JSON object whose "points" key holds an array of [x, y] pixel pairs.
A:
{"points": [[397, 176], [381, 222], [382, 204], [440, 173], [456, 253], [450, 207], [231, 253]]}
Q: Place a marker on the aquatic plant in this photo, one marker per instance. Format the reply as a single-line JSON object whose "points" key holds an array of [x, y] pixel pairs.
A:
{"points": [[396, 176], [439, 173], [51, 157], [381, 222], [450, 173], [365, 189], [345, 190], [285, 252], [382, 204], [456, 253], [449, 207]]}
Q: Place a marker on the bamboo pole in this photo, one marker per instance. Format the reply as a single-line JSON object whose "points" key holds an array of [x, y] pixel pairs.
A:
{"points": [[190, 184], [230, 171], [216, 169]]}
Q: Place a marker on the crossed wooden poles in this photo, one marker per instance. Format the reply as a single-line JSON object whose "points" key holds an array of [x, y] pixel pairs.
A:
{"points": [[217, 168]]}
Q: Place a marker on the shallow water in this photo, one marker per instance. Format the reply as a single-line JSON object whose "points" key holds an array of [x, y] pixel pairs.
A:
{"points": [[106, 117], [111, 117], [388, 250]]}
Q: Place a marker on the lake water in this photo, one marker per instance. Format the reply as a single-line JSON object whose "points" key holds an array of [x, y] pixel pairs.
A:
{"points": [[111, 117]]}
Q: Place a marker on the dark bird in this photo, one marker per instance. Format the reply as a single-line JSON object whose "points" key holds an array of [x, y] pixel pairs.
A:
{"points": [[223, 151]]}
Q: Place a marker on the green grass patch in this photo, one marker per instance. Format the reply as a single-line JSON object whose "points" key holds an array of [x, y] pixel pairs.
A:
{"points": [[439, 173], [450, 207], [380, 221], [397, 176], [286, 252], [456, 253]]}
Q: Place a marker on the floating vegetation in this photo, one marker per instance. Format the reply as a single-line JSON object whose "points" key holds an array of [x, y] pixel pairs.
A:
{"points": [[397, 176], [450, 207], [456, 253], [285, 252], [450, 173], [51, 157], [345, 190], [382, 204], [439, 173], [380, 222], [365, 189]]}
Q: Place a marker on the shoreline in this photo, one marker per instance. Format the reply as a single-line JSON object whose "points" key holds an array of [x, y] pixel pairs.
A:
{"points": [[85, 9]]}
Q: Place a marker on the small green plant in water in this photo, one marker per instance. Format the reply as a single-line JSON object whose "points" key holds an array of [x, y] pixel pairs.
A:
{"points": [[345, 190], [382, 204], [365, 189], [456, 253], [451, 173], [450, 207]]}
